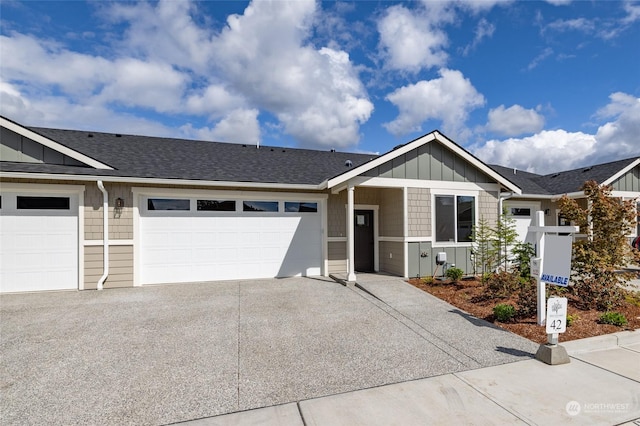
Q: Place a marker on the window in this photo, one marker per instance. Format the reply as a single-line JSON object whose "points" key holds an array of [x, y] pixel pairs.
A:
{"points": [[167, 204], [302, 207], [455, 218], [520, 211], [42, 203], [260, 206], [217, 206]]}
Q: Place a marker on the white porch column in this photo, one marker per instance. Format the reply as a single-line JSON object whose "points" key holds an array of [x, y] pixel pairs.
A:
{"points": [[351, 267]]}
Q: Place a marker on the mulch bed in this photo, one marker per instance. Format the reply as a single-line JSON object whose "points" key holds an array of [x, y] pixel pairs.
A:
{"points": [[468, 294]]}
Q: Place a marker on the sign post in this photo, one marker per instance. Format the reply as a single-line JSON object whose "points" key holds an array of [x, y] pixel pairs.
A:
{"points": [[552, 265]]}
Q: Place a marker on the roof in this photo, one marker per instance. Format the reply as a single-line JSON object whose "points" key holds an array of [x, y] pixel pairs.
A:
{"points": [[180, 159], [566, 182]]}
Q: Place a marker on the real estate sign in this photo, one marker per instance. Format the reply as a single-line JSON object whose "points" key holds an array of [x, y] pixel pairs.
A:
{"points": [[556, 260]]}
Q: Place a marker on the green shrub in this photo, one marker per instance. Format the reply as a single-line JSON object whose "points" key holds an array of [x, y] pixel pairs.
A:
{"points": [[614, 318], [527, 298], [503, 284], [454, 274], [571, 319], [427, 280], [503, 312]]}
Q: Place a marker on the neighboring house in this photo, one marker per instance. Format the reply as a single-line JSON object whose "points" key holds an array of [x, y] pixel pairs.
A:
{"points": [[541, 192], [182, 211]]}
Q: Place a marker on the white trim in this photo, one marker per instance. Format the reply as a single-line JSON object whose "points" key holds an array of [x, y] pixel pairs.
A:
{"points": [[336, 239], [36, 137], [92, 243], [405, 230], [157, 181], [392, 239], [457, 149], [438, 191], [378, 182], [621, 173], [625, 194], [237, 195], [324, 209], [228, 194]]}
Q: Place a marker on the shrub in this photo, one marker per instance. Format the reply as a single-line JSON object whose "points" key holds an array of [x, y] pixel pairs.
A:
{"points": [[427, 280], [527, 298], [571, 319], [523, 252], [503, 312], [454, 274], [613, 318], [503, 284]]}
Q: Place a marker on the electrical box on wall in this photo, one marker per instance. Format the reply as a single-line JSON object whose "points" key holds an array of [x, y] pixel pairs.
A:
{"points": [[441, 258]]}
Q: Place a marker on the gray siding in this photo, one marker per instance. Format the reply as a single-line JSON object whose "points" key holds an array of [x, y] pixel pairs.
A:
{"points": [[432, 161], [422, 259], [15, 147], [392, 257], [629, 182]]}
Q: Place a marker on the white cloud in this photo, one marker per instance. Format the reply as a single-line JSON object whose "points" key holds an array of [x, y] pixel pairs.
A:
{"points": [[449, 99], [577, 24], [544, 152], [554, 150], [239, 126], [619, 138], [485, 29], [409, 41], [514, 121], [546, 52], [558, 2], [315, 93]]}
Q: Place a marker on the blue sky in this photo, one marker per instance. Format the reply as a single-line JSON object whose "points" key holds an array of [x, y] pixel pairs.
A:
{"points": [[541, 86]]}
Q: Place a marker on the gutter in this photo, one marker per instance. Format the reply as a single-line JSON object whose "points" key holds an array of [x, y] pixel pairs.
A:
{"points": [[105, 234]]}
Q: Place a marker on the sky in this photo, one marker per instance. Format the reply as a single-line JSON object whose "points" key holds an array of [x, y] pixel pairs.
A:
{"points": [[538, 86]]}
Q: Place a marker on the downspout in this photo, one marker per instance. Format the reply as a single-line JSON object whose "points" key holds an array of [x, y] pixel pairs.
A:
{"points": [[105, 234], [502, 198]]}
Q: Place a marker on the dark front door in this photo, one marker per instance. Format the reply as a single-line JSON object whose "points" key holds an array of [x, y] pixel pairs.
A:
{"points": [[363, 240]]}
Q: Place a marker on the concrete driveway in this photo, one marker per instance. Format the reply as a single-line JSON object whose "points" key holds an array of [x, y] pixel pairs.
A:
{"points": [[171, 353]]}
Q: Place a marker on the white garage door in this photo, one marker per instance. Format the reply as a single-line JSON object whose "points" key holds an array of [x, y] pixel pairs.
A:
{"points": [[190, 240], [38, 242]]}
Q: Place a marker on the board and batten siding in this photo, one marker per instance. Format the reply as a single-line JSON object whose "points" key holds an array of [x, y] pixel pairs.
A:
{"points": [[431, 161], [629, 182], [120, 266]]}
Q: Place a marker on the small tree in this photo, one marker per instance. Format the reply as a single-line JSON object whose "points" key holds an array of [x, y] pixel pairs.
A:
{"points": [[505, 236], [483, 258], [598, 260]]}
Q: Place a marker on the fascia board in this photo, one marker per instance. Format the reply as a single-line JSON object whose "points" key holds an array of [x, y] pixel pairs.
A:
{"points": [[21, 130], [415, 144], [621, 172], [155, 181]]}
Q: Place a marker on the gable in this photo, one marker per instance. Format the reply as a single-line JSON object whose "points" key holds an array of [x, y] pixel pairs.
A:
{"points": [[453, 161], [19, 144], [431, 161], [20, 149], [630, 181]]}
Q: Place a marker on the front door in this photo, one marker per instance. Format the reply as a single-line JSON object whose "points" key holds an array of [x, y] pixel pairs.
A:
{"points": [[364, 241]]}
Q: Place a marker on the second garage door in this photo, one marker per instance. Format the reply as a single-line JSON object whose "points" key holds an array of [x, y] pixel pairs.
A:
{"points": [[198, 239]]}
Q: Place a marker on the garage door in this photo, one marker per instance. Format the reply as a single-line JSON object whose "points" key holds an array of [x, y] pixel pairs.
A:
{"points": [[38, 242], [199, 239]]}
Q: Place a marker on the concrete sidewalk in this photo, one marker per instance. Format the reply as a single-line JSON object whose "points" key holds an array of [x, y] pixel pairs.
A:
{"points": [[600, 386]]}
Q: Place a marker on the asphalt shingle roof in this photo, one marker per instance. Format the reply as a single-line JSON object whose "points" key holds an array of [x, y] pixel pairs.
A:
{"points": [[167, 158], [563, 182]]}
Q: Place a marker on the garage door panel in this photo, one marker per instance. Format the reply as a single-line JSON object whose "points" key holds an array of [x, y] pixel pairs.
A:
{"points": [[225, 247], [38, 249]]}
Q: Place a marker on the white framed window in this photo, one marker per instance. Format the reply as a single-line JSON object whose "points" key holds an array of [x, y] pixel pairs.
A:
{"points": [[454, 217]]}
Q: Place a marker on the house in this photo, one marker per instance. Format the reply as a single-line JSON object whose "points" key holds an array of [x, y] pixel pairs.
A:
{"points": [[541, 192], [85, 210]]}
